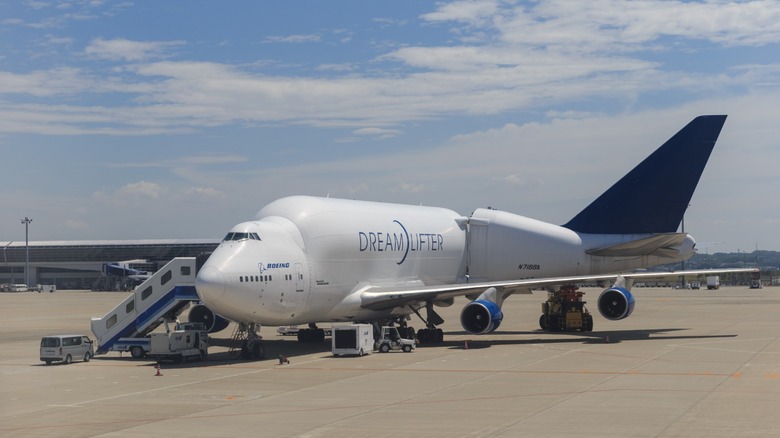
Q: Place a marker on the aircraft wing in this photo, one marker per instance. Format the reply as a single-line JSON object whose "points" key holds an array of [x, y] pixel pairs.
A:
{"points": [[387, 297]]}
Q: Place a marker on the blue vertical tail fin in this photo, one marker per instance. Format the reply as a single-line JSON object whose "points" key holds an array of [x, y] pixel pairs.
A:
{"points": [[653, 197]]}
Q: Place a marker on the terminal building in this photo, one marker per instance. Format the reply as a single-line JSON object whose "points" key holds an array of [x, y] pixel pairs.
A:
{"points": [[96, 264]]}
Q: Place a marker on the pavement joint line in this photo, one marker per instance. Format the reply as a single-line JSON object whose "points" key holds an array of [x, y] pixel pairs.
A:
{"points": [[495, 371], [712, 390]]}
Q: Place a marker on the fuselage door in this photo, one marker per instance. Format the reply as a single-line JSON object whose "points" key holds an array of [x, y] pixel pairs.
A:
{"points": [[298, 277]]}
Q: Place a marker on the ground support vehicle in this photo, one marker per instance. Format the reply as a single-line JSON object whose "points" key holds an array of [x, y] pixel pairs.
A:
{"points": [[137, 347], [391, 340], [564, 311], [293, 330], [713, 282], [66, 348], [354, 339], [186, 341], [287, 330]]}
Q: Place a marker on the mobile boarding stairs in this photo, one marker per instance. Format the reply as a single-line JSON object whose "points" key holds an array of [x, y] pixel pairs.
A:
{"points": [[159, 299]]}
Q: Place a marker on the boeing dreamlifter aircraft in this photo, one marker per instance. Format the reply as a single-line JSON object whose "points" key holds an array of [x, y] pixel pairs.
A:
{"points": [[307, 260]]}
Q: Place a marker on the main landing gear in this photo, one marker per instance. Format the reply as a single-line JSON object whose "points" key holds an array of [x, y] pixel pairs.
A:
{"points": [[564, 311], [430, 334], [311, 335]]}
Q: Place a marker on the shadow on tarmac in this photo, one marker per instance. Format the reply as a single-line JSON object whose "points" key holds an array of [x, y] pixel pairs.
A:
{"points": [[290, 349]]}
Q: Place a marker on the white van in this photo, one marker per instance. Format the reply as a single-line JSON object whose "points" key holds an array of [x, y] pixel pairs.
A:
{"points": [[65, 348]]}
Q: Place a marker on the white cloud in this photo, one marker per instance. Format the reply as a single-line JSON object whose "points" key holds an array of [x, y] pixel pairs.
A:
{"points": [[142, 189], [377, 133], [539, 55], [12, 22], [190, 160], [410, 188], [312, 38], [617, 25], [45, 83], [126, 50], [471, 12], [206, 193]]}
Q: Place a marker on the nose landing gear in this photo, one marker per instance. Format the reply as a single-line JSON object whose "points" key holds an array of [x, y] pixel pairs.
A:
{"points": [[252, 347]]}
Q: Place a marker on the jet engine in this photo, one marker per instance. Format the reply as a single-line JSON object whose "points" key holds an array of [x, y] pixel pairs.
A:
{"points": [[616, 303], [481, 316], [212, 321]]}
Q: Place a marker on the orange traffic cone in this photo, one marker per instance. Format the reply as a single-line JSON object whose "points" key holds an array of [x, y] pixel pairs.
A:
{"points": [[159, 374]]}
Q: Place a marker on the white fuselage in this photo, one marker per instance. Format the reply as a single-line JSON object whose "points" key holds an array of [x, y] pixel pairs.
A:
{"points": [[304, 259]]}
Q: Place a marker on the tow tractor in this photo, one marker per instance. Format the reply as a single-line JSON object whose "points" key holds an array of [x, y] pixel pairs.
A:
{"points": [[392, 340], [564, 311]]}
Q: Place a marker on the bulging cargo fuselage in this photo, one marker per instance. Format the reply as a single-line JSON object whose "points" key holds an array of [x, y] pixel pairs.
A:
{"points": [[306, 259]]}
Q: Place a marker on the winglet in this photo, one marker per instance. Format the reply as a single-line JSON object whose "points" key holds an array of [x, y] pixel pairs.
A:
{"points": [[653, 197]]}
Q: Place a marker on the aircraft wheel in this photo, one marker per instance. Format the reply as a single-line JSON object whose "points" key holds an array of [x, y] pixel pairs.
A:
{"points": [[245, 351], [588, 326], [543, 322], [258, 351], [136, 352], [311, 336]]}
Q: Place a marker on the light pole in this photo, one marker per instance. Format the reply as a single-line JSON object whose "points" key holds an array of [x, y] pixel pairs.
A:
{"points": [[26, 221]]}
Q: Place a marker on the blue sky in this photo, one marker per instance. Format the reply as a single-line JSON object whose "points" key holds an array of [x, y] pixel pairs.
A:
{"points": [[147, 120]]}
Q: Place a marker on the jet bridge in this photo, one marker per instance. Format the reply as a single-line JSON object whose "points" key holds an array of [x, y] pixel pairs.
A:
{"points": [[161, 297]]}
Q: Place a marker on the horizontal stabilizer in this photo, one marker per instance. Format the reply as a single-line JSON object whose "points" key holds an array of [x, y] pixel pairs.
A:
{"points": [[662, 245]]}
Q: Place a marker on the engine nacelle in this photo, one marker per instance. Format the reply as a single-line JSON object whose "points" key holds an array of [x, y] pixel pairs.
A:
{"points": [[616, 303], [481, 316], [212, 321]]}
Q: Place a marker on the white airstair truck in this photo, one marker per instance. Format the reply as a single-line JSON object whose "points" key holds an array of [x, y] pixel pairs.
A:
{"points": [[353, 339], [161, 298]]}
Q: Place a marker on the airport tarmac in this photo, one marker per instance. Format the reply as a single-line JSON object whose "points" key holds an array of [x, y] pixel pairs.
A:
{"points": [[686, 363]]}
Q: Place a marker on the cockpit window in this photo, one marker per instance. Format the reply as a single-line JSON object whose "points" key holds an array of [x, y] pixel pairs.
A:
{"points": [[241, 236]]}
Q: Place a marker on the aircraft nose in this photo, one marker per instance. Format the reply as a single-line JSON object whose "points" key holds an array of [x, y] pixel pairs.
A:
{"points": [[210, 284]]}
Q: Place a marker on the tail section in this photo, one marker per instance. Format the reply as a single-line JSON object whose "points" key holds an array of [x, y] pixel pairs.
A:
{"points": [[653, 197]]}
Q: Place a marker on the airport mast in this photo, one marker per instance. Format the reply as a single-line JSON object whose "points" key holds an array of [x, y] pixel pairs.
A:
{"points": [[26, 221]]}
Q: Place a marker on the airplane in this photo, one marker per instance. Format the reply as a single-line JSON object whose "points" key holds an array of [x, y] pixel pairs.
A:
{"points": [[123, 269], [310, 260]]}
